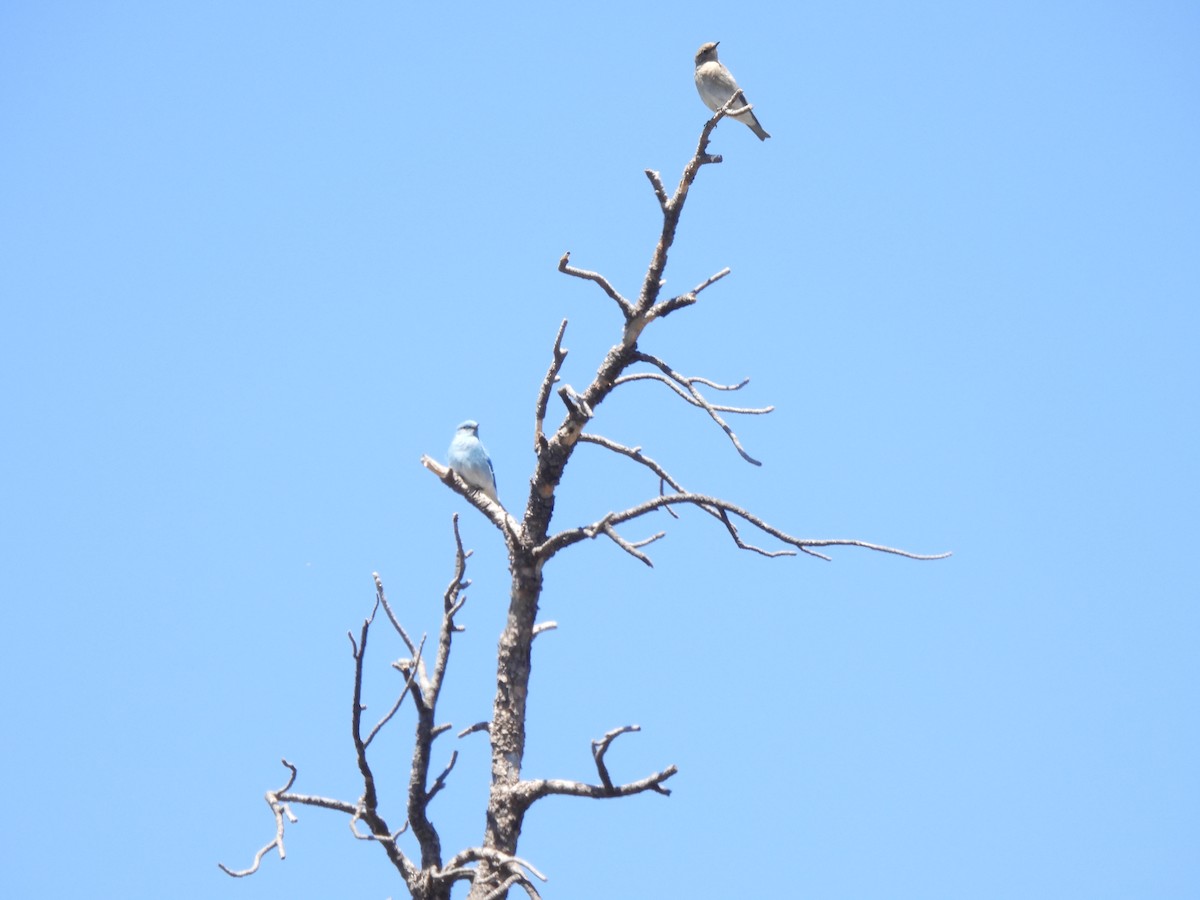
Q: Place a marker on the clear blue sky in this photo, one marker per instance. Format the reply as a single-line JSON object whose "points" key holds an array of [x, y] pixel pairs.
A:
{"points": [[258, 258]]}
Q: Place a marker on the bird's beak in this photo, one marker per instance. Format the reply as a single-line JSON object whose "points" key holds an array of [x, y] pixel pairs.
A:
{"points": [[716, 44]]}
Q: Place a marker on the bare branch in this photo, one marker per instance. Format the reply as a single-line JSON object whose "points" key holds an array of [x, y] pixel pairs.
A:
{"points": [[560, 355], [390, 838], [424, 696], [544, 626], [659, 191], [341, 806], [687, 397], [497, 865], [694, 380], [518, 880], [242, 873], [697, 379], [666, 307], [631, 547], [574, 535], [741, 544], [291, 778], [451, 604], [634, 453], [600, 747], [665, 478], [494, 511], [395, 706], [440, 781], [672, 209], [735, 104], [279, 802], [471, 729], [360, 747], [474, 854], [575, 402], [411, 669], [381, 598], [697, 399], [450, 875], [531, 791], [419, 795], [536, 790], [626, 307], [278, 810], [710, 280]]}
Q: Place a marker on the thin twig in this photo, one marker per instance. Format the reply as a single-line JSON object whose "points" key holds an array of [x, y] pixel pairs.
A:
{"points": [[659, 191], [451, 604], [391, 838], [672, 209], [634, 453], [556, 364], [695, 379], [420, 796], [666, 307], [474, 854], [381, 597], [572, 536], [278, 810], [631, 547], [279, 802], [565, 268], [391, 712], [440, 781], [498, 864], [735, 104], [517, 880], [600, 747], [689, 385], [320, 802], [472, 729], [413, 671]]}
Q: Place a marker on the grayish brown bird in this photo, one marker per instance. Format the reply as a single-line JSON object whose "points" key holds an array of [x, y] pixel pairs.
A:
{"points": [[716, 85]]}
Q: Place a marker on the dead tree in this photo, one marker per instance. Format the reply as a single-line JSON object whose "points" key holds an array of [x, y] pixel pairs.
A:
{"points": [[493, 867]]}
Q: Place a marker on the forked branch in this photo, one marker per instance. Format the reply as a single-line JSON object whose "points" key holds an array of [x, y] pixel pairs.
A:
{"points": [[425, 688], [715, 504], [686, 387], [534, 790], [499, 866], [666, 307], [556, 364], [279, 802]]}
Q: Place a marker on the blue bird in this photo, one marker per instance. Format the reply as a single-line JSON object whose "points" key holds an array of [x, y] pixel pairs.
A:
{"points": [[469, 458]]}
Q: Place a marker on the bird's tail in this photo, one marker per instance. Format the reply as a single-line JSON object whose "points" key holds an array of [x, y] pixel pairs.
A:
{"points": [[748, 119]]}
